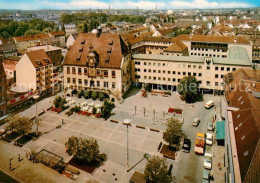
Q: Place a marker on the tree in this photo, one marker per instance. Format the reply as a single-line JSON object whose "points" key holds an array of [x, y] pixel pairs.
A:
{"points": [[63, 28], [188, 89], [173, 132], [94, 95], [107, 108], [32, 32], [21, 124], [59, 102], [85, 151], [156, 170]]}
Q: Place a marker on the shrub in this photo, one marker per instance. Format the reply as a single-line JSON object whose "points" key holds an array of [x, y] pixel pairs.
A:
{"points": [[87, 94], [101, 96], [94, 110], [94, 95], [76, 108]]}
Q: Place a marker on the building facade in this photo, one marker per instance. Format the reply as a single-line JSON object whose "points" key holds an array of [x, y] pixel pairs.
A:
{"points": [[99, 62], [34, 72], [3, 92]]}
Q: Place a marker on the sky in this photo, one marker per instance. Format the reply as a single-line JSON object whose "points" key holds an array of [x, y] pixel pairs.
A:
{"points": [[126, 4]]}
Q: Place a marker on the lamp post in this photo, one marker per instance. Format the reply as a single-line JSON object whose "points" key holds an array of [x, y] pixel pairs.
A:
{"points": [[127, 122], [36, 97]]}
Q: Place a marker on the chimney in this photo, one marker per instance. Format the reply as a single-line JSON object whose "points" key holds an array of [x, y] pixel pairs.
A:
{"points": [[99, 31]]}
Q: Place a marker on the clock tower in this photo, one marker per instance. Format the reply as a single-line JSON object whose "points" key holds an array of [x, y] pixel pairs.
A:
{"points": [[91, 62]]}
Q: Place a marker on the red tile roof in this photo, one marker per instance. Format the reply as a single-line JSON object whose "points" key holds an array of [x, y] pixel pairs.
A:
{"points": [[32, 37], [58, 33], [38, 56], [101, 44]]}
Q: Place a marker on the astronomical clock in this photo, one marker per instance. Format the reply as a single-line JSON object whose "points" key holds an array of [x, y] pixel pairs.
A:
{"points": [[92, 62]]}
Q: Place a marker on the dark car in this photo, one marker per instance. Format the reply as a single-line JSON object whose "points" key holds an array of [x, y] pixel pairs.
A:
{"points": [[186, 145]]}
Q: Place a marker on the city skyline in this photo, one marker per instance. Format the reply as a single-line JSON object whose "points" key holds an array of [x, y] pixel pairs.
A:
{"points": [[130, 4]]}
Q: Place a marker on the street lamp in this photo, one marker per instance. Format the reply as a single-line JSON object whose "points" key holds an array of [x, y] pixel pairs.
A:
{"points": [[36, 97], [127, 122]]}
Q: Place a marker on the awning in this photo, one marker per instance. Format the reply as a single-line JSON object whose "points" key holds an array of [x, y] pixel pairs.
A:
{"points": [[220, 130]]}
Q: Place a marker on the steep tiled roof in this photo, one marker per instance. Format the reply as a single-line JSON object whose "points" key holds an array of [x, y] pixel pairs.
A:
{"points": [[213, 39], [101, 44], [38, 56], [246, 121]]}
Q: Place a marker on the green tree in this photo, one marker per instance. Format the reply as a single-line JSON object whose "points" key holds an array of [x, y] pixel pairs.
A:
{"points": [[107, 108], [188, 88], [85, 151], [156, 170], [87, 94], [173, 132], [94, 95], [63, 28], [32, 32], [59, 102], [19, 123]]}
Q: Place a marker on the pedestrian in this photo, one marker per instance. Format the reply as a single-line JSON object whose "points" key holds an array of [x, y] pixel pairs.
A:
{"points": [[19, 158]]}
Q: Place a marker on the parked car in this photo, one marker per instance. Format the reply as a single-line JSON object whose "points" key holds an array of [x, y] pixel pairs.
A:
{"points": [[209, 104], [196, 122], [208, 161], [209, 138], [186, 145], [210, 126]]}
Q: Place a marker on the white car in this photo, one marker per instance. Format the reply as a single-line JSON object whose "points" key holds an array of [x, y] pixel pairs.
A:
{"points": [[208, 163], [196, 122], [209, 138]]}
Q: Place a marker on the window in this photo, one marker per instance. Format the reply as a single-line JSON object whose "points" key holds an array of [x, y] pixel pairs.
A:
{"points": [[137, 77], [114, 74], [179, 73], [173, 79], [208, 83], [208, 67], [98, 83], [154, 78], [73, 70], [200, 67], [194, 74], [105, 84], [68, 70], [216, 68], [68, 81], [189, 73], [184, 73], [169, 72], [105, 73], [222, 68], [228, 68], [216, 75], [144, 70], [113, 85], [233, 69], [200, 74], [149, 70], [222, 76], [144, 63], [86, 82], [159, 71], [194, 67], [80, 81], [159, 64], [154, 71], [86, 71], [98, 72], [79, 71], [216, 83], [137, 63], [173, 72], [74, 80], [189, 66], [145, 77]]}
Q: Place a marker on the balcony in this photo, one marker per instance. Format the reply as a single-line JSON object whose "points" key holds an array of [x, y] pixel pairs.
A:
{"points": [[73, 72], [113, 76], [68, 72], [79, 73], [85, 73]]}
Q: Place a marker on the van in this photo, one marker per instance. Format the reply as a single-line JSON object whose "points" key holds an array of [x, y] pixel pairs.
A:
{"points": [[196, 122], [209, 104]]}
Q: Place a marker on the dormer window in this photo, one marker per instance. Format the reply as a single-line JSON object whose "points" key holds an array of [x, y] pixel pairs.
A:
{"points": [[81, 49], [111, 43], [109, 51], [46, 60], [78, 57], [38, 62], [83, 41]]}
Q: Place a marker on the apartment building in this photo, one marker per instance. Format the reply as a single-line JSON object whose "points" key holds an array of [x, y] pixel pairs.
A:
{"points": [[58, 38], [55, 54], [34, 72], [3, 91], [165, 71], [242, 141], [98, 62]]}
